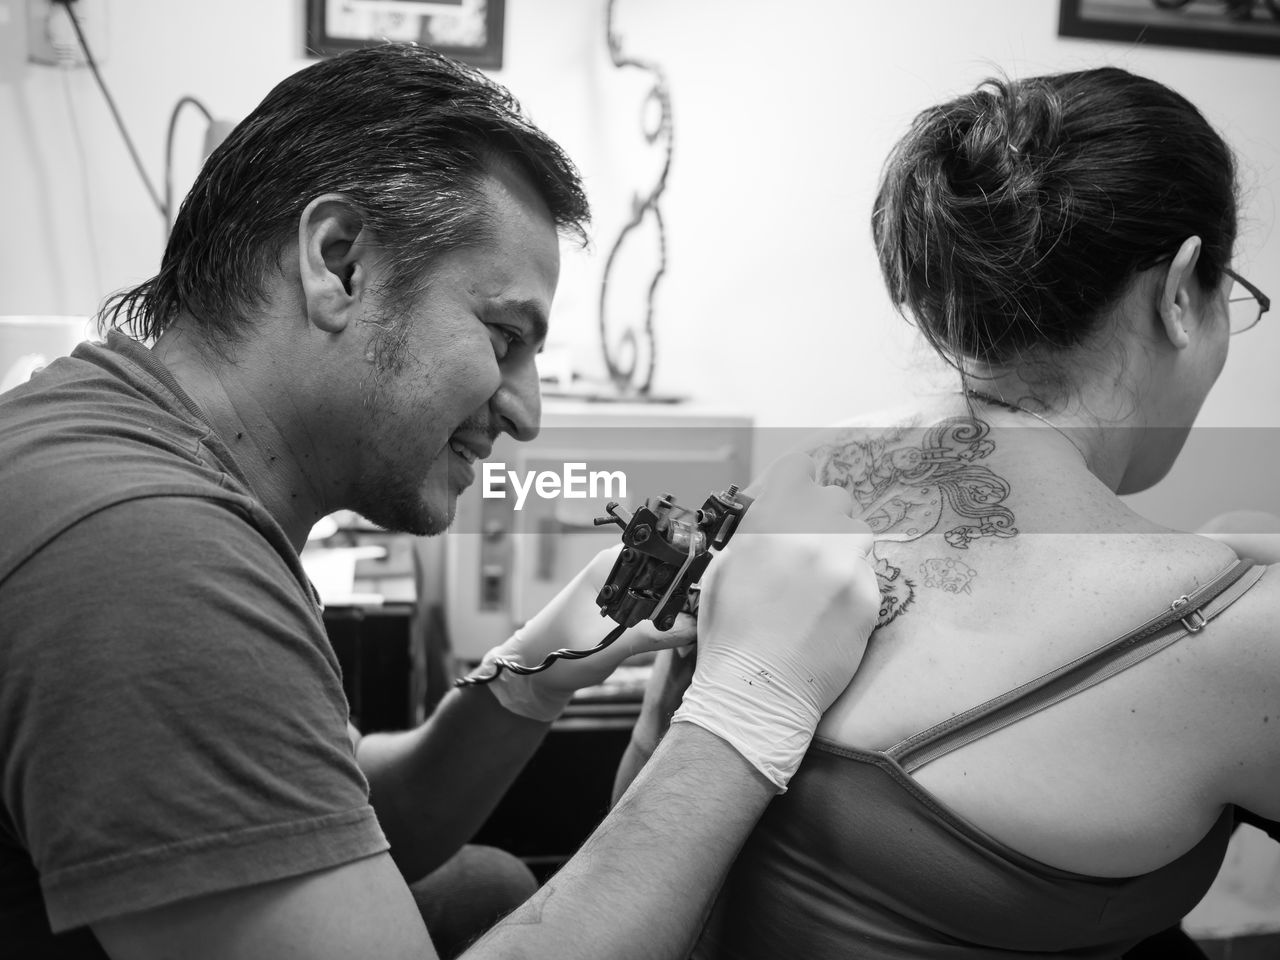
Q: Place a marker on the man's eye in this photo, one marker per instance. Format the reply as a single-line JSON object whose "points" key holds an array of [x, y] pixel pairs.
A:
{"points": [[510, 335]]}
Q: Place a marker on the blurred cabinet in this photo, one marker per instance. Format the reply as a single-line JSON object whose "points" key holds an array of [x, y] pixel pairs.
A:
{"points": [[381, 671]]}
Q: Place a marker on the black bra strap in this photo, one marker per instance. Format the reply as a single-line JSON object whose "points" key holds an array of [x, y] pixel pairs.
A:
{"points": [[1188, 614]]}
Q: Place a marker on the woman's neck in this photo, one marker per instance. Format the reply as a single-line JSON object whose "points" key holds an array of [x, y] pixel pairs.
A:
{"points": [[1088, 419]]}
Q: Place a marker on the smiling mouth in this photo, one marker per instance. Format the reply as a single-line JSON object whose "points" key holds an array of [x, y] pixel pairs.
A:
{"points": [[466, 453]]}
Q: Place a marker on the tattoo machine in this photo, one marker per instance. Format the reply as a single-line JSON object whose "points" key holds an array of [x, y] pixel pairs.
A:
{"points": [[666, 549]]}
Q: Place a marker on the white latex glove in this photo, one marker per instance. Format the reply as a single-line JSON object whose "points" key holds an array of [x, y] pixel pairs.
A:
{"points": [[783, 620], [572, 620]]}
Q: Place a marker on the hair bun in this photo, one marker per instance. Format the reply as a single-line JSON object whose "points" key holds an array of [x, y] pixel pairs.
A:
{"points": [[1010, 128], [1010, 217]]}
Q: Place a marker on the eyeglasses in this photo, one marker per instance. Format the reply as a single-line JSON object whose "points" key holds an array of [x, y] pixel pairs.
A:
{"points": [[1245, 303]]}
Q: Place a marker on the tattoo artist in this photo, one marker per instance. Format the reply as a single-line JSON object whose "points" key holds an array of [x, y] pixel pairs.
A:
{"points": [[347, 315]]}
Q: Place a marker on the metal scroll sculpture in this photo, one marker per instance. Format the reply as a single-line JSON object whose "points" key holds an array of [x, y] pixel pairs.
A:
{"points": [[622, 355]]}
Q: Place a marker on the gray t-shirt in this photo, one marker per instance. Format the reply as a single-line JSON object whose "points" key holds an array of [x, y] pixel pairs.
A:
{"points": [[172, 721]]}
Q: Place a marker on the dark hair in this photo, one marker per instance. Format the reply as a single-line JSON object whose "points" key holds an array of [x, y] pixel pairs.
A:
{"points": [[1009, 219], [403, 132]]}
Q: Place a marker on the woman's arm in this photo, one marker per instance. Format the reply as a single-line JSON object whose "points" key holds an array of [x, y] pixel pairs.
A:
{"points": [[1252, 534], [1245, 668]]}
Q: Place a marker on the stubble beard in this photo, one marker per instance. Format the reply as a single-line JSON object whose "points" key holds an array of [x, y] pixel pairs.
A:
{"points": [[417, 499], [399, 497], [392, 500]]}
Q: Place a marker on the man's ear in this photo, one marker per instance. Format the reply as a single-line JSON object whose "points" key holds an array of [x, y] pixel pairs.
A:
{"points": [[333, 261], [1175, 292]]}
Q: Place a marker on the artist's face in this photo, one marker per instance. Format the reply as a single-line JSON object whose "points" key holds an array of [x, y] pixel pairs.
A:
{"points": [[459, 368]]}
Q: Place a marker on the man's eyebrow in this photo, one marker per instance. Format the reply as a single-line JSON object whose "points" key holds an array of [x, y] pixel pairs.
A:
{"points": [[528, 311]]}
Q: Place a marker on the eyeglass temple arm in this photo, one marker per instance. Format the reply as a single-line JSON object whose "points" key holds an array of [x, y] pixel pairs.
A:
{"points": [[1263, 300]]}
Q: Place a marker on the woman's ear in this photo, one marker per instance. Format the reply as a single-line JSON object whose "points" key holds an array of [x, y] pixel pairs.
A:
{"points": [[1175, 293], [333, 262]]}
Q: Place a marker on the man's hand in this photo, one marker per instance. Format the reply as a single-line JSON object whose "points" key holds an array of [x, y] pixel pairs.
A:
{"points": [[784, 619], [572, 620]]}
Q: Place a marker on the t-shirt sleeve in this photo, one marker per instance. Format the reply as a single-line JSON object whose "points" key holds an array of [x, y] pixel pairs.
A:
{"points": [[172, 721]]}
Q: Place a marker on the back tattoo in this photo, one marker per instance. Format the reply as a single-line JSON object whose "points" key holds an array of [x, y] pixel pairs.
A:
{"points": [[908, 482]]}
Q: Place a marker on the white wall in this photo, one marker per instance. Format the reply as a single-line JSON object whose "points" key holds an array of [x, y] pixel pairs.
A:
{"points": [[784, 111]]}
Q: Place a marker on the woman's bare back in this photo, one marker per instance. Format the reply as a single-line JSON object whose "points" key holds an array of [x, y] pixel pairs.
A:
{"points": [[1001, 558]]}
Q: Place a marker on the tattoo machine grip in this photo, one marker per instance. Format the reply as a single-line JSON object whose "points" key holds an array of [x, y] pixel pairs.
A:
{"points": [[666, 549]]}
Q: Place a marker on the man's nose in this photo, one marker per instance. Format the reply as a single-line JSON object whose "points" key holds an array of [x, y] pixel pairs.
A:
{"points": [[518, 402]]}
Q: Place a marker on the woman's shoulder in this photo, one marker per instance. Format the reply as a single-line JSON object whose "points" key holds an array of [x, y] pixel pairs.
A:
{"points": [[1249, 630], [1242, 659]]}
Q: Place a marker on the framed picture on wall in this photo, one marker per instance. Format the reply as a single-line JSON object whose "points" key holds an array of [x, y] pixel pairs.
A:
{"points": [[470, 30], [1248, 26]]}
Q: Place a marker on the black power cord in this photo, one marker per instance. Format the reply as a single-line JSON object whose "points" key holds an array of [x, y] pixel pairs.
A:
{"points": [[128, 141], [502, 663], [168, 153]]}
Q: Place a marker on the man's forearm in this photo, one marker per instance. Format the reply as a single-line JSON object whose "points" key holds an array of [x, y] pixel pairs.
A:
{"points": [[642, 885], [433, 787]]}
